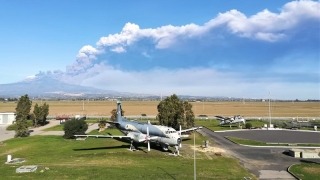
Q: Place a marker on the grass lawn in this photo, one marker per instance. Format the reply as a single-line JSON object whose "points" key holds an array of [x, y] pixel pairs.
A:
{"points": [[215, 126], [109, 159], [306, 170], [258, 143]]}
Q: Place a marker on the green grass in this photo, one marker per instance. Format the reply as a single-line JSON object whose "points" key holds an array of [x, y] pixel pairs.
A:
{"points": [[215, 126], [109, 159], [258, 143], [54, 128], [306, 170]]}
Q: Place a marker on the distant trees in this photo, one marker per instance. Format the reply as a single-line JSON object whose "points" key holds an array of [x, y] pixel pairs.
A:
{"points": [[174, 112], [22, 111], [74, 127], [40, 114]]}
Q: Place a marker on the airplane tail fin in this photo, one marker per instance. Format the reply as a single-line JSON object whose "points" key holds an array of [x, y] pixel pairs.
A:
{"points": [[119, 117]]}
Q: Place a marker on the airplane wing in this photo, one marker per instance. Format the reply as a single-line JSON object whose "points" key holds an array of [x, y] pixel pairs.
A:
{"points": [[191, 129], [220, 117], [112, 122], [105, 136]]}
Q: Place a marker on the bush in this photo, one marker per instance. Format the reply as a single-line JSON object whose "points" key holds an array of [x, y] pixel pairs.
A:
{"points": [[74, 127], [248, 125]]}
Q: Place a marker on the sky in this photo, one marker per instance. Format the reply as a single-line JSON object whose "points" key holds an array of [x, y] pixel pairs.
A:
{"points": [[245, 49]]}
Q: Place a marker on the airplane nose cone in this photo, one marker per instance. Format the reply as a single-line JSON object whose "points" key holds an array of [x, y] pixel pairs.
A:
{"points": [[179, 140]]}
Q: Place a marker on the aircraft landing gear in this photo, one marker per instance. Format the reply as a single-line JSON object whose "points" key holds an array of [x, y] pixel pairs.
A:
{"points": [[132, 148], [176, 151]]}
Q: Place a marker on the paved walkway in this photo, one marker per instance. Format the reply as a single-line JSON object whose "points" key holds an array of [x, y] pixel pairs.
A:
{"points": [[5, 135], [91, 127]]}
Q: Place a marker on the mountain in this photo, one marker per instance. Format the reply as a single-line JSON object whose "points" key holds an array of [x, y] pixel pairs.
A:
{"points": [[47, 86]]}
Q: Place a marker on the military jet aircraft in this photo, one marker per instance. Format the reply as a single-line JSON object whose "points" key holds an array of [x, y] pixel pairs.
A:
{"points": [[137, 132], [231, 120]]}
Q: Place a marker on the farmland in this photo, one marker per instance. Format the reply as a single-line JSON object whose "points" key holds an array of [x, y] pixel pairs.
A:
{"points": [[136, 108]]}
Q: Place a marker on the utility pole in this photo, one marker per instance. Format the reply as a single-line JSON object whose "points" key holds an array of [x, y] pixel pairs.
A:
{"points": [[269, 112], [194, 154]]}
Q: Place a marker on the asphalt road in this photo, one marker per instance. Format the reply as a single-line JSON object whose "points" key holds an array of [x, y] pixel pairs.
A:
{"points": [[264, 163], [277, 136]]}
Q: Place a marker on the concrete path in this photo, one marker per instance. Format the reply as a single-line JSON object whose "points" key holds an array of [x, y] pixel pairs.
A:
{"points": [[5, 135], [91, 127]]}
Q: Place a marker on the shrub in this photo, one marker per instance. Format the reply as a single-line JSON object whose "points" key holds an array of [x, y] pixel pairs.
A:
{"points": [[74, 127], [248, 125]]}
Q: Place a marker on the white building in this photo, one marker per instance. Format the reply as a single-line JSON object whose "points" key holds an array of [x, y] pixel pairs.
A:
{"points": [[7, 117]]}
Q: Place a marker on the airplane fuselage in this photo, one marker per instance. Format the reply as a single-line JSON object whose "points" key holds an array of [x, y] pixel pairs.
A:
{"points": [[163, 135]]}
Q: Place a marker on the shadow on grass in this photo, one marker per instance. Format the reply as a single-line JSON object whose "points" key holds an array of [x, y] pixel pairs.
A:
{"points": [[112, 147], [97, 148]]}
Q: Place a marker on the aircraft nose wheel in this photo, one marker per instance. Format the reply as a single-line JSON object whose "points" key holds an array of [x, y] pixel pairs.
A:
{"points": [[176, 151]]}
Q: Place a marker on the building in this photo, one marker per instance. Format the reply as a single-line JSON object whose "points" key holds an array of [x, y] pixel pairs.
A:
{"points": [[7, 117]]}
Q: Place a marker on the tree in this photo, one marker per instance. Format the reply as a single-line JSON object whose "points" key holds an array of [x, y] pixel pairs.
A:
{"points": [[248, 125], [114, 114], [173, 112], [36, 114], [40, 114], [188, 114], [74, 127], [22, 111]]}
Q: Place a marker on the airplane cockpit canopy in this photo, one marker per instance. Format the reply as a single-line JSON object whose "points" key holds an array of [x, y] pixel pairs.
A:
{"points": [[170, 132]]}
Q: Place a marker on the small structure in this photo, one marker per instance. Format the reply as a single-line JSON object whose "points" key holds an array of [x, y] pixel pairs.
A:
{"points": [[295, 153], [7, 117], [206, 144], [315, 128], [24, 169], [15, 160], [62, 118], [305, 153]]}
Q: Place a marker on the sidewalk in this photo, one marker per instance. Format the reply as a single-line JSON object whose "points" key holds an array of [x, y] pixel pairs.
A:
{"points": [[61, 133], [5, 135]]}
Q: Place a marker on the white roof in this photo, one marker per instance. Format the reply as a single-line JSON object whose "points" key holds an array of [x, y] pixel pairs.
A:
{"points": [[7, 113]]}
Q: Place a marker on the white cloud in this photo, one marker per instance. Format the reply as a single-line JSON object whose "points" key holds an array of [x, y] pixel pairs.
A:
{"points": [[264, 26], [118, 49]]}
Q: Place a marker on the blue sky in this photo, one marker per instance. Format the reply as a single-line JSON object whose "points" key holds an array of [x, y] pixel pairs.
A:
{"points": [[239, 49]]}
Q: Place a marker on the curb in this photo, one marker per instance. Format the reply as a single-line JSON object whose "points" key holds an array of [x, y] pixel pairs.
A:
{"points": [[288, 169]]}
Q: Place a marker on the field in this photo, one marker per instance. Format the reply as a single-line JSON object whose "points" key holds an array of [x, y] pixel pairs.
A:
{"points": [[60, 159], [136, 108]]}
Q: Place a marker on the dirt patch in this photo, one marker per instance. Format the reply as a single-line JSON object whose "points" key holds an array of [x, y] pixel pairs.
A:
{"points": [[312, 170], [209, 149], [10, 151], [2, 144]]}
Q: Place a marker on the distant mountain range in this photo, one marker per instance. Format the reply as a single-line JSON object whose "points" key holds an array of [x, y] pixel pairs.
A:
{"points": [[48, 86]]}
